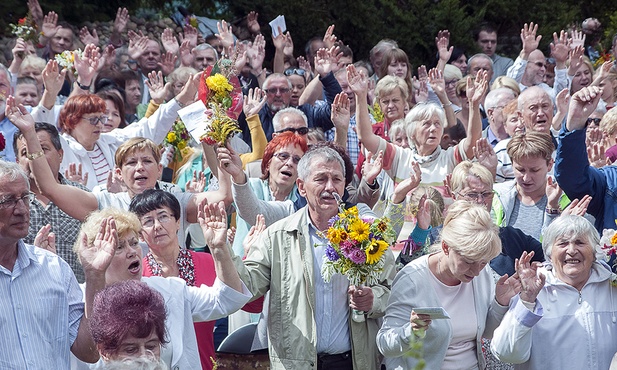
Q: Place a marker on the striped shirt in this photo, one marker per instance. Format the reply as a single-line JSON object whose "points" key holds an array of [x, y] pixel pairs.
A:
{"points": [[101, 167], [40, 312]]}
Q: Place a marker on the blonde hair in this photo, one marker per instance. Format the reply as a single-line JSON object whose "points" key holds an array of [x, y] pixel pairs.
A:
{"points": [[463, 170], [434, 200], [133, 145], [469, 230], [388, 84], [181, 74], [608, 124], [507, 82], [531, 144], [33, 61], [125, 223]]}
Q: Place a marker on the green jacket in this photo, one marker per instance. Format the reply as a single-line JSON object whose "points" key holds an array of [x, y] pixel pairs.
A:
{"points": [[282, 262]]}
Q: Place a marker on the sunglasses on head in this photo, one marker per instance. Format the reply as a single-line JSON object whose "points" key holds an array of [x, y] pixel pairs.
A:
{"points": [[295, 71], [299, 130]]}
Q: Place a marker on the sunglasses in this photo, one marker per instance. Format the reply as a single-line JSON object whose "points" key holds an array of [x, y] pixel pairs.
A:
{"points": [[284, 157], [595, 121], [94, 120], [295, 71], [279, 90], [299, 130]]}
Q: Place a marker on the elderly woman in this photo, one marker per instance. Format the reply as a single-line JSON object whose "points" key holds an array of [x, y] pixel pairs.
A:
{"points": [[111, 239], [425, 127], [564, 317], [128, 321], [456, 278]]}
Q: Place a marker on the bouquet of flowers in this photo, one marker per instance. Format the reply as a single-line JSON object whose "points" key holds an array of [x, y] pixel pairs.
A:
{"points": [[2, 142], [221, 93], [178, 138], [608, 243], [26, 29], [356, 247], [66, 59]]}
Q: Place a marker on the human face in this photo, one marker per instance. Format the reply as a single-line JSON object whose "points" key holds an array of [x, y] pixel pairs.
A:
{"points": [[203, 59], [324, 179], [32, 72], [451, 89], [481, 64], [149, 60], [140, 171], [461, 63], [159, 229], [278, 94], [53, 155], [513, 124], [62, 40], [113, 116], [530, 175], [133, 347], [549, 77], [476, 191], [126, 262], [27, 94], [582, 78], [292, 120], [133, 93], [344, 61], [284, 172], [393, 105], [537, 112], [14, 221], [427, 135], [342, 81], [461, 268], [536, 68], [487, 41], [401, 139], [297, 87], [495, 114], [572, 257], [398, 69], [87, 134]]}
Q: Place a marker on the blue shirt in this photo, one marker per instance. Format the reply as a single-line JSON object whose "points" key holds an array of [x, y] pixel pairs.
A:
{"points": [[40, 311]]}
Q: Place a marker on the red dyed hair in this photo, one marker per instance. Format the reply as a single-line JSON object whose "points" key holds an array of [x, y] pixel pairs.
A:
{"points": [[75, 108], [279, 141]]}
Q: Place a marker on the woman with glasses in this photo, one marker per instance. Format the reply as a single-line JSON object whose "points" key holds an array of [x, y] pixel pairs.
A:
{"points": [[85, 142]]}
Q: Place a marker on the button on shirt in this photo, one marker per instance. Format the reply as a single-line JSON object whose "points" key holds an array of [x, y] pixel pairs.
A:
{"points": [[331, 307], [40, 311]]}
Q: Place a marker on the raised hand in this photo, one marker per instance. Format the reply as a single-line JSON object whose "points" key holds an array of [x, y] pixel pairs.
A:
{"points": [[156, 86], [372, 166], [358, 82], [442, 41], [169, 41], [186, 56], [96, 257], [577, 207], [74, 173], [437, 82], [409, 184], [326, 61], [421, 92], [485, 154], [576, 59], [197, 184], [553, 193], [137, 46], [18, 115], [254, 233], [560, 48], [329, 38], [37, 12], [532, 282], [422, 74], [288, 48], [340, 113], [189, 92], [88, 64], [257, 53], [46, 239], [577, 39], [506, 288], [529, 39], [50, 27], [20, 50], [213, 221], [582, 104], [253, 102], [477, 88], [190, 34], [88, 37], [303, 63], [53, 77], [596, 154], [225, 35], [252, 23], [114, 182], [168, 63], [121, 20]]}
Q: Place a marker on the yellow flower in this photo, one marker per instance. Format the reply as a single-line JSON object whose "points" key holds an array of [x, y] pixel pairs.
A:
{"points": [[614, 239], [334, 235], [375, 251], [353, 211], [181, 145], [219, 84], [358, 230], [171, 137]]}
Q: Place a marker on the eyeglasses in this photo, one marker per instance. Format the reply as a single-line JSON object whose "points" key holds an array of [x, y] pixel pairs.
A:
{"points": [[9, 203], [451, 82], [595, 121], [161, 218], [299, 130], [477, 196], [295, 71], [540, 64], [278, 90], [284, 157], [94, 120]]}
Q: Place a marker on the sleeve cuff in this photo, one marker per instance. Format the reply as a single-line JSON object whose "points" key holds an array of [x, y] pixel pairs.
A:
{"points": [[523, 315]]}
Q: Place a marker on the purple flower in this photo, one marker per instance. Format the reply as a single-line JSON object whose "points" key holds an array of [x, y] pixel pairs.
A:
{"points": [[333, 220], [346, 246], [331, 253], [357, 256]]}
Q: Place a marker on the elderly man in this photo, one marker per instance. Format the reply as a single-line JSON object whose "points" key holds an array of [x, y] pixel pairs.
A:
{"points": [[42, 310], [536, 111], [42, 210], [494, 103], [479, 62], [309, 323], [278, 95], [148, 62], [486, 39], [204, 55], [530, 66]]}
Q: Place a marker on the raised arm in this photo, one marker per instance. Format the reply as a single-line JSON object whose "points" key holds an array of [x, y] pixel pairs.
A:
{"points": [[475, 93], [75, 202], [359, 85]]}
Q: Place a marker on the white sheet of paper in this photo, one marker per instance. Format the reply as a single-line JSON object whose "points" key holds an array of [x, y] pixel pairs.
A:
{"points": [[276, 23], [194, 119], [433, 312]]}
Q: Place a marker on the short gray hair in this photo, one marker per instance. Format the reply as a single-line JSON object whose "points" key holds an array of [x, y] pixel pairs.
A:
{"points": [[323, 152], [206, 46], [494, 96], [10, 171], [420, 113], [276, 120], [479, 56], [572, 226], [272, 77]]}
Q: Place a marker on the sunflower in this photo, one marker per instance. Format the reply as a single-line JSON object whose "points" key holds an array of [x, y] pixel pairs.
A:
{"points": [[614, 239], [375, 251], [358, 230], [334, 235]]}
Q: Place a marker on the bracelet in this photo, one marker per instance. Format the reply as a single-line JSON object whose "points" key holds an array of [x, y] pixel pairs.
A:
{"points": [[446, 105], [35, 155], [182, 105], [83, 87], [552, 211]]}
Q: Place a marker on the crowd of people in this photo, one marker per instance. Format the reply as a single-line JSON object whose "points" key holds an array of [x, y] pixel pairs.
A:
{"points": [[120, 249]]}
